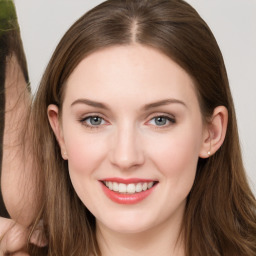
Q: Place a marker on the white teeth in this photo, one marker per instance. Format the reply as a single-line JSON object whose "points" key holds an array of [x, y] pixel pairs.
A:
{"points": [[129, 188], [115, 186], [150, 184], [144, 186], [138, 187], [122, 188]]}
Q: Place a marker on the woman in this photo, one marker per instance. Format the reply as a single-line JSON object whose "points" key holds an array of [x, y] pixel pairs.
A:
{"points": [[135, 138]]}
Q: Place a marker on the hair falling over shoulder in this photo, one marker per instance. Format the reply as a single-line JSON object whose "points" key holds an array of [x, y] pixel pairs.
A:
{"points": [[220, 215]]}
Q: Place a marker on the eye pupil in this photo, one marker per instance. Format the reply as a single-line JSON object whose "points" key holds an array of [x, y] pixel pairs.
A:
{"points": [[95, 120], [160, 120]]}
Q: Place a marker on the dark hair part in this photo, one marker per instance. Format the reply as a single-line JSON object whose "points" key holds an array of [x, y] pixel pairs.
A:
{"points": [[220, 214]]}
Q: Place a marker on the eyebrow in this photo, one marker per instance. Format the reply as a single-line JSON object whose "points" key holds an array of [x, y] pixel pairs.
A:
{"points": [[163, 103], [145, 108], [90, 103]]}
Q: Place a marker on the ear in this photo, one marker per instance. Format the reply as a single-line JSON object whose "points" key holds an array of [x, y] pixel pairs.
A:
{"points": [[53, 116], [214, 132]]}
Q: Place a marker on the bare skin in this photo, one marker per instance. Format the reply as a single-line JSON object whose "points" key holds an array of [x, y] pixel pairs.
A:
{"points": [[105, 132], [16, 185], [14, 237], [17, 178], [15, 172]]}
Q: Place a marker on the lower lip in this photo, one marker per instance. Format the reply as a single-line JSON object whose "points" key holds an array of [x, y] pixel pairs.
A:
{"points": [[126, 198]]}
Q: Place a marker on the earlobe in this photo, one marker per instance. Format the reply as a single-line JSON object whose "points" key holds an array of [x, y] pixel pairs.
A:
{"points": [[53, 116], [215, 132]]}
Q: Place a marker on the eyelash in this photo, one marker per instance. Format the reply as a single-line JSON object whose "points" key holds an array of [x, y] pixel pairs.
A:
{"points": [[169, 119], [83, 121]]}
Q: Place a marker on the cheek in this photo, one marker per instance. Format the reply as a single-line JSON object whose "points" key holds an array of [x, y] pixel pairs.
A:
{"points": [[85, 153], [177, 154]]}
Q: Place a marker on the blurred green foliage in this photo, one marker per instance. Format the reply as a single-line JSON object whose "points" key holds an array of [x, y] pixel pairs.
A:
{"points": [[8, 17]]}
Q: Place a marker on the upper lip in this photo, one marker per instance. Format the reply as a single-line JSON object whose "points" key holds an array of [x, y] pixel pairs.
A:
{"points": [[128, 181]]}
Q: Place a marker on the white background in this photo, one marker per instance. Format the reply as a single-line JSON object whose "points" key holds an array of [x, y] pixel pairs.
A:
{"points": [[233, 22]]}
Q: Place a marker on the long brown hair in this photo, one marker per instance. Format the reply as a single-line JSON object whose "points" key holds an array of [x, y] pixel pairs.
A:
{"points": [[220, 215]]}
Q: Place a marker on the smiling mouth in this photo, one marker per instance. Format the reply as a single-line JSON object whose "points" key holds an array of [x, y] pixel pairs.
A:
{"points": [[131, 188]]}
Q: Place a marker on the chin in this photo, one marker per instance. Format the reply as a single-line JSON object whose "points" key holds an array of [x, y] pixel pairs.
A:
{"points": [[128, 229], [128, 223]]}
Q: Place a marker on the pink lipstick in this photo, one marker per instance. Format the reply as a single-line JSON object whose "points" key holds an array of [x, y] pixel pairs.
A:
{"points": [[127, 191]]}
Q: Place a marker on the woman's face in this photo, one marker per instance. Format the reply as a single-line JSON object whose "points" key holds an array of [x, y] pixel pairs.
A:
{"points": [[132, 132]]}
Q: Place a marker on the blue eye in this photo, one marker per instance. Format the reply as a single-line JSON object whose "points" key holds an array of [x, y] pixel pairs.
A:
{"points": [[161, 121], [93, 121]]}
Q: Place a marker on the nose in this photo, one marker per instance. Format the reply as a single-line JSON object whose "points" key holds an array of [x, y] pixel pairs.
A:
{"points": [[127, 150]]}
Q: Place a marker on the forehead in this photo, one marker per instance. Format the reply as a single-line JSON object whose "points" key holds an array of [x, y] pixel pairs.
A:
{"points": [[125, 72]]}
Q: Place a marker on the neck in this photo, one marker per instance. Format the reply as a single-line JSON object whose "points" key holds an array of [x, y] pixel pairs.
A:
{"points": [[165, 239]]}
